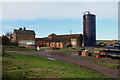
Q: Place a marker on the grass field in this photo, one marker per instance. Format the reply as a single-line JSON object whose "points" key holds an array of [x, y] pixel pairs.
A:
{"points": [[107, 64], [27, 50], [28, 66], [103, 41]]}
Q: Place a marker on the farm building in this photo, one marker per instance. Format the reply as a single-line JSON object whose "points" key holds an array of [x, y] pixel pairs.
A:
{"points": [[41, 42], [23, 37], [60, 41]]}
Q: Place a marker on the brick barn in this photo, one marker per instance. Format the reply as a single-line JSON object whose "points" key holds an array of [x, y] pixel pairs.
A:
{"points": [[60, 41], [24, 37]]}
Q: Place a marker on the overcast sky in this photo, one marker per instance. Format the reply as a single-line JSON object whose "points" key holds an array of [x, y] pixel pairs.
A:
{"points": [[59, 17]]}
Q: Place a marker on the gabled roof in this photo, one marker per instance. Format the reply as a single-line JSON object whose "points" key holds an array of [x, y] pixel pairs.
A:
{"points": [[64, 38], [42, 39], [52, 34], [59, 38], [71, 35], [24, 32]]}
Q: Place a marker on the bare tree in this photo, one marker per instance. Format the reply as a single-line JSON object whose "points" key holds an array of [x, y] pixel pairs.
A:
{"points": [[5, 40], [8, 34]]}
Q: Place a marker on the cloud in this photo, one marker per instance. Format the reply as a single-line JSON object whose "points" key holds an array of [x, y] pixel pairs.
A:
{"points": [[56, 10], [8, 27]]}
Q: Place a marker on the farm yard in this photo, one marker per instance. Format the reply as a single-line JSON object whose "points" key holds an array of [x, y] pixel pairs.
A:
{"points": [[51, 41], [57, 64], [28, 66]]}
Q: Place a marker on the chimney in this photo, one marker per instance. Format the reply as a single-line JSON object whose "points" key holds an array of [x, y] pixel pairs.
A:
{"points": [[24, 28], [20, 28]]}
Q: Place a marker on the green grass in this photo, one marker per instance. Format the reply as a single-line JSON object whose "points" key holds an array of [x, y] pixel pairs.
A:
{"points": [[65, 49], [107, 64], [28, 50], [103, 41], [28, 66]]}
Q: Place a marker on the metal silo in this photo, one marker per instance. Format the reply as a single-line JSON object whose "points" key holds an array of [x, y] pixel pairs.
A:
{"points": [[89, 29]]}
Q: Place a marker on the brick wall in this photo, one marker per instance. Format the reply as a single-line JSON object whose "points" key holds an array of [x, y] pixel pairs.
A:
{"points": [[56, 45], [25, 37]]}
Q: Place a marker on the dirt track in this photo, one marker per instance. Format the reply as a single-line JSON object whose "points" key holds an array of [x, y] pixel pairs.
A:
{"points": [[78, 60]]}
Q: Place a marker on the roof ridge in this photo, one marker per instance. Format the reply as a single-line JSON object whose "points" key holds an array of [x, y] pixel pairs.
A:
{"points": [[28, 32], [68, 34]]}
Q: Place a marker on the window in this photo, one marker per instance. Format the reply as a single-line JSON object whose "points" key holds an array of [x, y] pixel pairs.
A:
{"points": [[59, 44]]}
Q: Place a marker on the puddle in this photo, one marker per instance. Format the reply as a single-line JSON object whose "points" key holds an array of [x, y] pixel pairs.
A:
{"points": [[51, 58]]}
